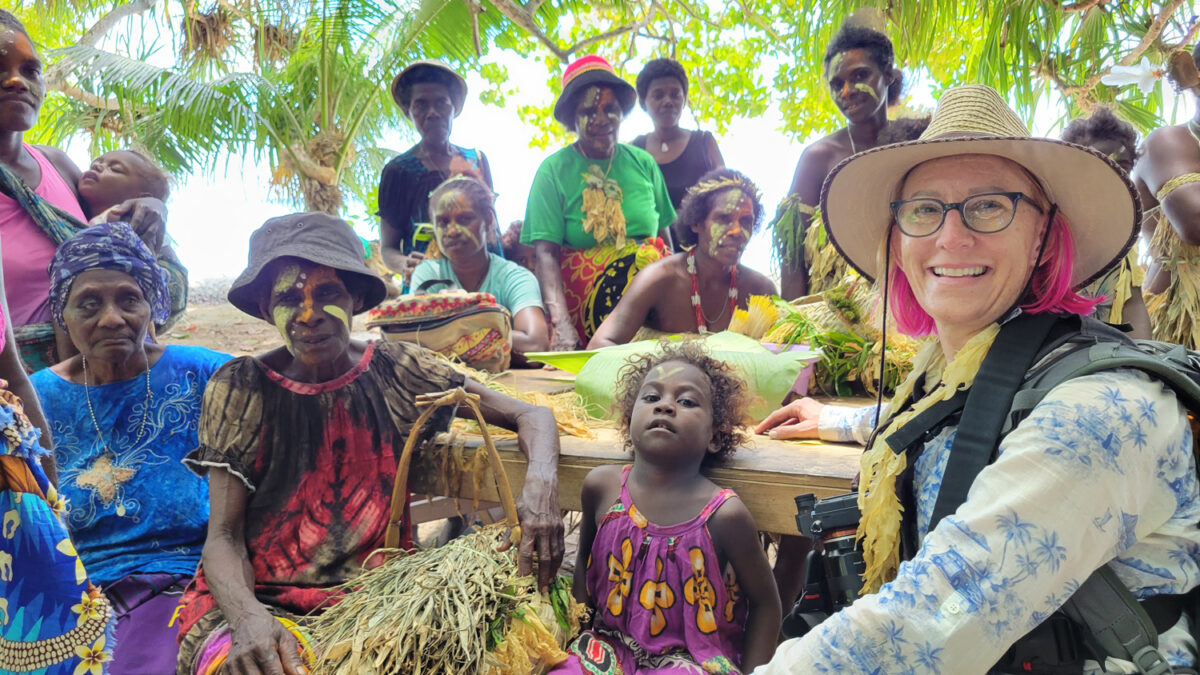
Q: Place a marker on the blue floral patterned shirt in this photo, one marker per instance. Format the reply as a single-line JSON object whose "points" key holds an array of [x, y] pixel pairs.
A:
{"points": [[132, 507], [1100, 472]]}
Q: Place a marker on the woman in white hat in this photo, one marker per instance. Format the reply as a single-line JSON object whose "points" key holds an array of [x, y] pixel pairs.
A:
{"points": [[431, 95], [979, 234]]}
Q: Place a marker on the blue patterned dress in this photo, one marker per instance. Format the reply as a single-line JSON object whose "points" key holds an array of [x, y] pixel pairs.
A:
{"points": [[1101, 472]]}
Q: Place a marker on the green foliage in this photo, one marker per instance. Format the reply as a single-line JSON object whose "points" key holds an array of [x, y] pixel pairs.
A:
{"points": [[305, 84]]}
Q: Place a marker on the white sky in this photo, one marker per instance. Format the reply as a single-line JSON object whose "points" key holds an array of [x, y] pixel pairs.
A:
{"points": [[211, 217]]}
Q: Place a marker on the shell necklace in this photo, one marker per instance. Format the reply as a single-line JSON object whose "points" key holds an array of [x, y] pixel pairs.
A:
{"points": [[702, 319]]}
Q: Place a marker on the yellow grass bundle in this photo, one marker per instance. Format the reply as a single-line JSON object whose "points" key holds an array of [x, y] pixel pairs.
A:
{"points": [[460, 608], [738, 322]]}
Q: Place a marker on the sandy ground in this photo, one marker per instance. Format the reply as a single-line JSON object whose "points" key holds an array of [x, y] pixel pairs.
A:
{"points": [[224, 328]]}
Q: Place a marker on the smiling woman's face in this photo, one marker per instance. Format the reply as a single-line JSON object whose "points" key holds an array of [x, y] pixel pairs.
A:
{"points": [[311, 307], [964, 279], [107, 315]]}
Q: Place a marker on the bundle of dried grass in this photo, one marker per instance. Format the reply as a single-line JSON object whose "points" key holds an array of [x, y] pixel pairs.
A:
{"points": [[460, 608], [206, 35], [569, 411]]}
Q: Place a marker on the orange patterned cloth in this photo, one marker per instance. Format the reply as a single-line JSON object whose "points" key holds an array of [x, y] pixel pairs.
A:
{"points": [[594, 279]]}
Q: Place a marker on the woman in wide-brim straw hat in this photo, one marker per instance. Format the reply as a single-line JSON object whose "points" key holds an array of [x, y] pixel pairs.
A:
{"points": [[300, 446], [974, 230], [431, 95], [596, 208]]}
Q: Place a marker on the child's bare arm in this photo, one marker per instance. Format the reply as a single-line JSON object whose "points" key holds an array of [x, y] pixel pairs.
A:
{"points": [[596, 495], [736, 536]]}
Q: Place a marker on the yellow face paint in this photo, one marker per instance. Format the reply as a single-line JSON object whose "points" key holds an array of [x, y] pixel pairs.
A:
{"points": [[666, 370], [867, 89], [725, 219], [287, 277], [340, 313], [282, 316], [456, 209]]}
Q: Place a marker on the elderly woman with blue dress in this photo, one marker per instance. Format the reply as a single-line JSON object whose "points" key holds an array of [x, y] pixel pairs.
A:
{"points": [[124, 412]]}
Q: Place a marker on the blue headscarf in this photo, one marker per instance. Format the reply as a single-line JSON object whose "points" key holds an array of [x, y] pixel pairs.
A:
{"points": [[108, 246]]}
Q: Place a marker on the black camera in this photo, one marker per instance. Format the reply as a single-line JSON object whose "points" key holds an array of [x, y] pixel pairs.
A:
{"points": [[834, 567]]}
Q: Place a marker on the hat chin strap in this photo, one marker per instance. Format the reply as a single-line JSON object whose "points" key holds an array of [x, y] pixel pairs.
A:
{"points": [[1013, 310]]}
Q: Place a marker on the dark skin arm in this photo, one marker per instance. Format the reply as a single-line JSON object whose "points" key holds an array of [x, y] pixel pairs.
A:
{"points": [[815, 163], [632, 309], [547, 267], [1157, 278], [529, 332], [735, 536], [754, 282], [600, 489], [261, 645], [1136, 315], [391, 248], [714, 153], [1167, 153], [537, 507]]}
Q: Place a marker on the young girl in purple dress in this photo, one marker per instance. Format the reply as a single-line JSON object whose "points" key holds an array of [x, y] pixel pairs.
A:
{"points": [[668, 561]]}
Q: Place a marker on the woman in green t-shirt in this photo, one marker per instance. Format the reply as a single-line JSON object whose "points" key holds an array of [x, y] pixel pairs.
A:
{"points": [[596, 209]]}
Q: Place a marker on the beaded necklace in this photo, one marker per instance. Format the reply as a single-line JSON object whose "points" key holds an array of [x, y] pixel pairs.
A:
{"points": [[92, 411], [702, 320]]}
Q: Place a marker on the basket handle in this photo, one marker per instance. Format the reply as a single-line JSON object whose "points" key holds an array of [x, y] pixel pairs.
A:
{"points": [[431, 402]]}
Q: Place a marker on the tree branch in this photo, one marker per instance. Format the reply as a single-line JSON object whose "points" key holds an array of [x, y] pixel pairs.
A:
{"points": [[763, 25], [607, 35], [1083, 6], [87, 97], [1192, 31], [1152, 32], [93, 35], [518, 15]]}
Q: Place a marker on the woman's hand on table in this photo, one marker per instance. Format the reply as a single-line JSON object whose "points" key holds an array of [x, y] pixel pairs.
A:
{"points": [[261, 645], [797, 419]]}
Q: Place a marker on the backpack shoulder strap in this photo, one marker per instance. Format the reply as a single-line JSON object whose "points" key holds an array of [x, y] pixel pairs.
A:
{"points": [[987, 404]]}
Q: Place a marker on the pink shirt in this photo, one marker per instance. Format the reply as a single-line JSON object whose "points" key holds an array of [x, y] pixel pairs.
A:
{"points": [[26, 251]]}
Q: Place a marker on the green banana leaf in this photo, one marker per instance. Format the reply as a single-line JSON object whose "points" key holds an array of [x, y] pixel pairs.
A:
{"points": [[769, 376]]}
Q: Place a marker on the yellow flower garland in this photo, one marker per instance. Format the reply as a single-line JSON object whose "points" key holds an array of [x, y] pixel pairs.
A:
{"points": [[879, 528]]}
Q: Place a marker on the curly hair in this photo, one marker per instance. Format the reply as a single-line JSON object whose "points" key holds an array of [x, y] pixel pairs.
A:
{"points": [[655, 69], [697, 203], [878, 45], [730, 399], [1103, 124]]}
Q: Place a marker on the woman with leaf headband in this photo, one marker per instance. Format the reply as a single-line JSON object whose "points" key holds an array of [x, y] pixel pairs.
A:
{"points": [[718, 216], [863, 80], [40, 205], [596, 209], [1168, 176], [979, 233]]}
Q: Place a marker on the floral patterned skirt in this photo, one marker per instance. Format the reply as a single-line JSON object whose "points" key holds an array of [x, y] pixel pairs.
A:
{"points": [[594, 279], [52, 620]]}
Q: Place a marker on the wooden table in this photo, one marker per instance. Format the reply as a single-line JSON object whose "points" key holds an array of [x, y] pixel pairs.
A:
{"points": [[766, 474]]}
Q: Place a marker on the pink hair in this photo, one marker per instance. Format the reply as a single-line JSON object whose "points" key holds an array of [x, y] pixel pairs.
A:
{"points": [[1051, 286]]}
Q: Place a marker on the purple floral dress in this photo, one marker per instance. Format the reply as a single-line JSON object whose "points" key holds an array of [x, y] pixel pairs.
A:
{"points": [[662, 603]]}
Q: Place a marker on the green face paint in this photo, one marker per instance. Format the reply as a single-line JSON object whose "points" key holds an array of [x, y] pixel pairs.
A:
{"points": [[340, 313], [287, 277], [867, 89], [282, 315], [733, 207]]}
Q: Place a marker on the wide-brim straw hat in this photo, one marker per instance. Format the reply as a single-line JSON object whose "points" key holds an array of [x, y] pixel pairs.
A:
{"points": [[458, 92], [1092, 193], [316, 237], [583, 73]]}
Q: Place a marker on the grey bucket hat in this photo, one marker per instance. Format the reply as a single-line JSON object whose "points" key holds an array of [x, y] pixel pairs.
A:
{"points": [[316, 237]]}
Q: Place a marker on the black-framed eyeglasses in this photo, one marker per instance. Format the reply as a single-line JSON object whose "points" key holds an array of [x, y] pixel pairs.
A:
{"points": [[984, 213]]}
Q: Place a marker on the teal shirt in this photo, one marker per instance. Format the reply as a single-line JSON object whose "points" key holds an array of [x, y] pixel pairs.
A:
{"points": [[554, 211], [514, 286]]}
